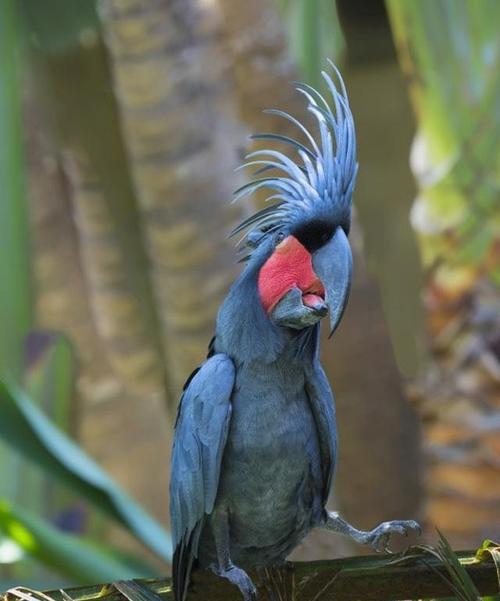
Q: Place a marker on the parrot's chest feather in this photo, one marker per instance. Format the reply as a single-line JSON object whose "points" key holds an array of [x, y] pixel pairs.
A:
{"points": [[271, 476]]}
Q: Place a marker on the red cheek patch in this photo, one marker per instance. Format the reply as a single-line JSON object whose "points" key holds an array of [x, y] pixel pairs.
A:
{"points": [[290, 266]]}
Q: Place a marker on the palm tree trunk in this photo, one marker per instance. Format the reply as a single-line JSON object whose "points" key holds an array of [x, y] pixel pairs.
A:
{"points": [[100, 189], [181, 136], [117, 313], [80, 266]]}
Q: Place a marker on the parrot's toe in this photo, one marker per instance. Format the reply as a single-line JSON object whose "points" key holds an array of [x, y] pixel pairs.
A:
{"points": [[241, 579], [379, 538]]}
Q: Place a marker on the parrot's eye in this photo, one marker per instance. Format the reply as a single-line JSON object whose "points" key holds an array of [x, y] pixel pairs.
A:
{"points": [[280, 236]]}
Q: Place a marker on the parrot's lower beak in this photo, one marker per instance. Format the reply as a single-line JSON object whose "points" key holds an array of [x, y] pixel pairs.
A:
{"points": [[332, 263], [292, 312]]}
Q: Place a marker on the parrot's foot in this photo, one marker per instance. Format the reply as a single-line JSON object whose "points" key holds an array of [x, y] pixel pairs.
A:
{"points": [[239, 578], [379, 538]]}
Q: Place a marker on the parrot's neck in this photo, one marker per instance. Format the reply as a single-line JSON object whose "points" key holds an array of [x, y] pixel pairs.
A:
{"points": [[245, 332]]}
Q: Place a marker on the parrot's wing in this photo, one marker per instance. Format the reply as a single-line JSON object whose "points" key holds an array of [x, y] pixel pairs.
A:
{"points": [[199, 440], [322, 405]]}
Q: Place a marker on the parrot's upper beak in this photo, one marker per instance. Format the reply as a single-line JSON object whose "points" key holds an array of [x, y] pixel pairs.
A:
{"points": [[332, 263]]}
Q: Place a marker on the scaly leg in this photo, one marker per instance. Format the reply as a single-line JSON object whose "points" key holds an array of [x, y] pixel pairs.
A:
{"points": [[378, 538], [225, 567]]}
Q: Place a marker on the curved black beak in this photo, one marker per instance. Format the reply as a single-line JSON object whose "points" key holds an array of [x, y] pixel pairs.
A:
{"points": [[332, 263]]}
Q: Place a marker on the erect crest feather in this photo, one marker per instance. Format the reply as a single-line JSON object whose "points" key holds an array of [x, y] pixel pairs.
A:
{"points": [[322, 181]]}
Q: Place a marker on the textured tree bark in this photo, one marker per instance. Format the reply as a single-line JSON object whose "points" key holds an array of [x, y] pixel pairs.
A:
{"points": [[362, 578], [63, 300], [99, 184], [61, 294], [117, 313], [181, 136], [256, 47]]}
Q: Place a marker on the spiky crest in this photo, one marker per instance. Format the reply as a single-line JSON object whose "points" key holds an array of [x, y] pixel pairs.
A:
{"points": [[325, 179]]}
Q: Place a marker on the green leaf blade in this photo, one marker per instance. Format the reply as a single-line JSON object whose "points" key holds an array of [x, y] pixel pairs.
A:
{"points": [[31, 433], [15, 289], [70, 555]]}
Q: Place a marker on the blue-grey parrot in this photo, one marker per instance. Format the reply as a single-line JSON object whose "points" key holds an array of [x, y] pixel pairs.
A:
{"points": [[255, 437]]}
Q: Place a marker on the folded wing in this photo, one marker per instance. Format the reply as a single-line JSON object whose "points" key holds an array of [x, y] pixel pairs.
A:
{"points": [[200, 437]]}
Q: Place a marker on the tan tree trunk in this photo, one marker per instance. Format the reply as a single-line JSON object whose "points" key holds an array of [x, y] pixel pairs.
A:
{"points": [[73, 288], [255, 44], [116, 311], [181, 137]]}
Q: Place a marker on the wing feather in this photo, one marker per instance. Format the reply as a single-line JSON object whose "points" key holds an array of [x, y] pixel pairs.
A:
{"points": [[199, 440]]}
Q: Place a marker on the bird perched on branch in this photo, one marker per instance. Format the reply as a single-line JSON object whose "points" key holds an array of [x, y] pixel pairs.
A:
{"points": [[255, 438]]}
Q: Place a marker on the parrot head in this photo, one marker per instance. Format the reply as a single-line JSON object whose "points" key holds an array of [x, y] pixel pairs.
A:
{"points": [[297, 247]]}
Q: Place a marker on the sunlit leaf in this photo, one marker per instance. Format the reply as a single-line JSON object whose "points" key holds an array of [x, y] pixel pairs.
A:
{"points": [[25, 427], [70, 555], [10, 551], [490, 549], [449, 50]]}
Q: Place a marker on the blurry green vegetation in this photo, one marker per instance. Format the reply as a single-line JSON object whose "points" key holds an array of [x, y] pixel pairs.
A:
{"points": [[48, 380], [79, 559], [450, 51], [75, 20], [459, 580], [42, 364], [15, 289], [31, 433], [315, 35], [49, 375]]}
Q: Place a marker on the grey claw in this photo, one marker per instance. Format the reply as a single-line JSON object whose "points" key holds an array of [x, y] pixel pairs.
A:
{"points": [[239, 578], [381, 535], [413, 525]]}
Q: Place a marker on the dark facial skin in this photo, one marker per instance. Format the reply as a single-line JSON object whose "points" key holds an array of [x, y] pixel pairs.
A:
{"points": [[291, 312]]}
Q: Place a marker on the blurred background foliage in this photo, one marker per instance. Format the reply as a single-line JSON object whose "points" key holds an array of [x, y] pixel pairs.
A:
{"points": [[121, 123]]}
